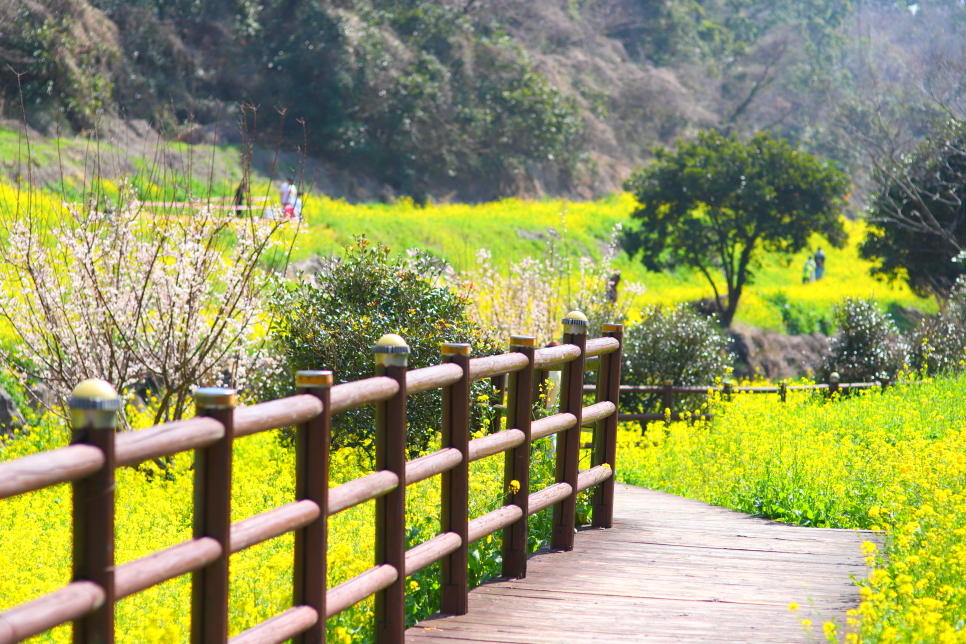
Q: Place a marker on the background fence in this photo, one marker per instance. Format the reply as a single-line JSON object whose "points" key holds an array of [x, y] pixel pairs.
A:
{"points": [[97, 450]]}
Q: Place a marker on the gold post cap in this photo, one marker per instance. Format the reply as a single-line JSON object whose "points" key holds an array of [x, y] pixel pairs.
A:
{"points": [[391, 343], [612, 327], [575, 318], [94, 393], [834, 377], [309, 378], [522, 341], [214, 397], [455, 348]]}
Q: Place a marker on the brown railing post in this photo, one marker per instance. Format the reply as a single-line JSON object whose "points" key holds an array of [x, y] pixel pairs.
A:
{"points": [[728, 390], [605, 433], [516, 468], [455, 484], [392, 357], [212, 518], [783, 391], [312, 483], [93, 406], [667, 401], [833, 383], [568, 445]]}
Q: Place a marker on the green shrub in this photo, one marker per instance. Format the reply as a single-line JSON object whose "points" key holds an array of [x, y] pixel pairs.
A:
{"points": [[939, 341], [798, 318], [867, 346], [332, 319], [672, 343]]}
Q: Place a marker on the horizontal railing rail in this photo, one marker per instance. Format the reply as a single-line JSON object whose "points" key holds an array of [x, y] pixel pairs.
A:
{"points": [[89, 465]]}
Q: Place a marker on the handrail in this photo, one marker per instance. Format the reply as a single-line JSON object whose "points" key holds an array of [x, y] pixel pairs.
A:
{"points": [[37, 471], [311, 411]]}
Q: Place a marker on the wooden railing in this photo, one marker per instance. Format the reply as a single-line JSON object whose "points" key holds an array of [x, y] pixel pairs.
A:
{"points": [[669, 389], [90, 463]]}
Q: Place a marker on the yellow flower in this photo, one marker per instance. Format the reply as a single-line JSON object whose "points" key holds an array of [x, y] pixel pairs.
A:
{"points": [[514, 486], [830, 629], [413, 585], [793, 606], [807, 623]]}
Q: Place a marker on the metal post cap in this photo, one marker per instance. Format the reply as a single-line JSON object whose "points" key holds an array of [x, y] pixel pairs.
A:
{"points": [[94, 393], [391, 343], [522, 341], [613, 327], [214, 397], [834, 377], [455, 348], [575, 318], [309, 378]]}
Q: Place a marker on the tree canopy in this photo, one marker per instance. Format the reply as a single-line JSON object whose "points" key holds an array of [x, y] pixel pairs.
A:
{"points": [[920, 216], [712, 204]]}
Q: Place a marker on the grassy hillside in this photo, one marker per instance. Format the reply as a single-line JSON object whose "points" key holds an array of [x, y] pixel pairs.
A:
{"points": [[512, 229]]}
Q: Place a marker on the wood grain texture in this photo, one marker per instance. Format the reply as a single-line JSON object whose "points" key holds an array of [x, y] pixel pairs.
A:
{"points": [[141, 574], [358, 588], [670, 570], [600, 346], [273, 523], [554, 356], [429, 552], [551, 425], [429, 465], [131, 448], [496, 365], [38, 471], [349, 395], [274, 414], [280, 628], [361, 490], [495, 443], [441, 375], [71, 602]]}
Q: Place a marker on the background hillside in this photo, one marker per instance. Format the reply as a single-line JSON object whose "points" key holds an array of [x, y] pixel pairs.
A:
{"points": [[475, 99]]}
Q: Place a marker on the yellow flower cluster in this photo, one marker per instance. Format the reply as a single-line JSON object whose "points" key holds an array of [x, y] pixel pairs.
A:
{"points": [[154, 511], [892, 462]]}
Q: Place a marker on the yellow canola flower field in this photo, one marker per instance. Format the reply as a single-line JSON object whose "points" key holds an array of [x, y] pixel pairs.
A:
{"points": [[154, 511], [893, 462]]}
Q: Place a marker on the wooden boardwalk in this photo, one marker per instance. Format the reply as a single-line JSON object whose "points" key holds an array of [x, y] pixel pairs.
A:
{"points": [[670, 570]]}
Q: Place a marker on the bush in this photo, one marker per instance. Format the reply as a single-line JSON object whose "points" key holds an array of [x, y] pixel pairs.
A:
{"points": [[332, 319], [672, 343], [939, 341], [867, 347], [799, 319]]}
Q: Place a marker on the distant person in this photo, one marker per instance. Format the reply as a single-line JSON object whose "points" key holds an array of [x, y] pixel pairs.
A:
{"points": [[297, 209], [289, 193], [819, 264], [240, 194], [612, 283], [808, 271]]}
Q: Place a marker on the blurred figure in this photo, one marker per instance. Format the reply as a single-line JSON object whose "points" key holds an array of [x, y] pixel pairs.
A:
{"points": [[808, 271], [612, 283], [289, 193], [819, 264]]}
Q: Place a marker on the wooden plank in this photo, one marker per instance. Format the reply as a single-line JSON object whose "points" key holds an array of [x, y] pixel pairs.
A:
{"points": [[670, 569]]}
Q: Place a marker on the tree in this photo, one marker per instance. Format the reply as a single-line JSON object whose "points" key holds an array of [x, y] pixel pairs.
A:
{"points": [[715, 202], [330, 320], [920, 215]]}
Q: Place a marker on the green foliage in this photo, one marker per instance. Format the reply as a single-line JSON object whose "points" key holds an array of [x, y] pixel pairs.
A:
{"points": [[799, 318], [867, 346], [434, 104], [672, 343], [918, 234], [717, 202], [938, 344], [64, 57], [332, 320]]}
